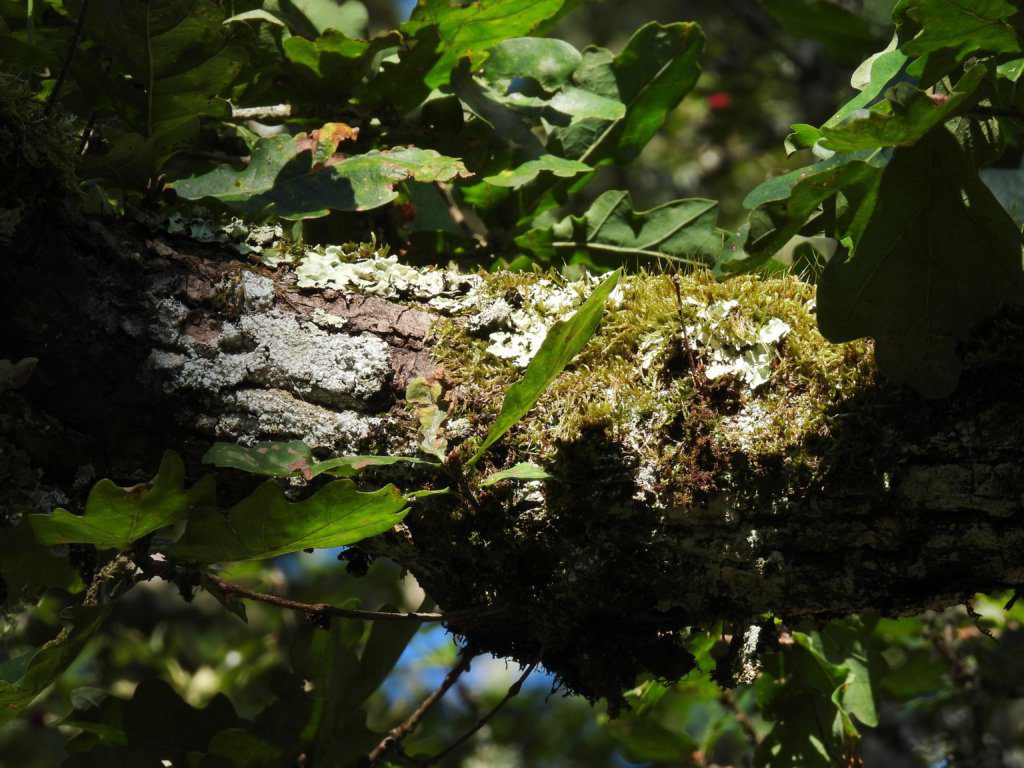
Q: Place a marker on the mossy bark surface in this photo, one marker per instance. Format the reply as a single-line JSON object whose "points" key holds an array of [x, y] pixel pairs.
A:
{"points": [[712, 457]]}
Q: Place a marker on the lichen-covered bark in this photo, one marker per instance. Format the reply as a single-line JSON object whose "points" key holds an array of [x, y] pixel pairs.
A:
{"points": [[712, 457]]}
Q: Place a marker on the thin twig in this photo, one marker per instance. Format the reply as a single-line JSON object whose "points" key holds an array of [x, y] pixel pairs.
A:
{"points": [[76, 38], [282, 111], [513, 691], [399, 732], [318, 609], [742, 720], [255, 113]]}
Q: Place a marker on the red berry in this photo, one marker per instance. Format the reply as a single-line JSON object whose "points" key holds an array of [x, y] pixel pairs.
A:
{"points": [[719, 100]]}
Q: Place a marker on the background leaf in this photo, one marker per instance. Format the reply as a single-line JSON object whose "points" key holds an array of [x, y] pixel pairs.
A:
{"points": [[963, 26], [25, 677], [611, 234], [179, 55]]}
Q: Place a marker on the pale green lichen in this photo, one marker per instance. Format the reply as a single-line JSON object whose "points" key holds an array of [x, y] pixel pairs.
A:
{"points": [[328, 320], [375, 273], [245, 238]]}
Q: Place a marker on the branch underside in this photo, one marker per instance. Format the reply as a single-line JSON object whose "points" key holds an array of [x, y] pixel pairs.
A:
{"points": [[882, 502]]}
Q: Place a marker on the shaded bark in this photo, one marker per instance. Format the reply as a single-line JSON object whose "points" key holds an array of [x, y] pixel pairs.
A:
{"points": [[147, 342]]}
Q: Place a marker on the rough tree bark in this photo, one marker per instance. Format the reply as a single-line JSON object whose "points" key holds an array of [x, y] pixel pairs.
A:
{"points": [[682, 495], [712, 458]]}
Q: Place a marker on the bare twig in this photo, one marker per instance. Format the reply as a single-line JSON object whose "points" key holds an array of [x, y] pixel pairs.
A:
{"points": [[76, 38], [257, 113], [399, 732], [317, 609], [282, 111], [513, 691], [976, 618], [728, 700]]}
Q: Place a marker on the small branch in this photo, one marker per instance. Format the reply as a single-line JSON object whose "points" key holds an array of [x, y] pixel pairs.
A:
{"points": [[282, 111], [399, 732], [728, 700], [257, 113], [513, 691], [76, 38], [318, 609]]}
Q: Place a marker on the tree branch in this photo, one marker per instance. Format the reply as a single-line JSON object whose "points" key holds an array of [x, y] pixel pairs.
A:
{"points": [[317, 609], [399, 732], [512, 691]]}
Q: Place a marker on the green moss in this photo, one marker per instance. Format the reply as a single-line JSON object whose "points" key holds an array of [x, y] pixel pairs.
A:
{"points": [[656, 459], [644, 381], [37, 157]]}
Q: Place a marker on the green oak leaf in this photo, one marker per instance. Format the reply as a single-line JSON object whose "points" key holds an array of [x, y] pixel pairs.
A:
{"points": [[470, 31], [240, 748], [565, 339], [267, 458], [548, 61], [20, 56], [179, 56], [906, 116], [530, 170], [612, 233], [939, 255], [872, 78], [155, 725], [1011, 70], [266, 524], [25, 677], [650, 76], [115, 517], [524, 471], [347, 466], [841, 32], [508, 127], [349, 17], [532, 76], [334, 65], [294, 177], [133, 158], [781, 206], [255, 16], [964, 27]]}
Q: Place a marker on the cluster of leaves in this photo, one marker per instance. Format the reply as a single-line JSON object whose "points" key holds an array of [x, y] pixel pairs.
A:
{"points": [[925, 248], [512, 125]]}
